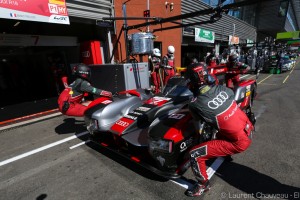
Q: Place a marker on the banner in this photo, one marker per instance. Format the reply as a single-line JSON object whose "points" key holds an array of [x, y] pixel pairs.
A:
{"points": [[294, 43], [51, 11], [288, 35], [250, 43], [202, 35], [233, 40]]}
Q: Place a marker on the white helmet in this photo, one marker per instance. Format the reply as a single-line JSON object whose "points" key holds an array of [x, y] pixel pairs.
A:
{"points": [[156, 52], [171, 49]]}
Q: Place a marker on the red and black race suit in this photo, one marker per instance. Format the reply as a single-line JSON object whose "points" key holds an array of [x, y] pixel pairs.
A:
{"points": [[169, 62], [232, 78], [69, 101], [216, 106], [155, 74]]}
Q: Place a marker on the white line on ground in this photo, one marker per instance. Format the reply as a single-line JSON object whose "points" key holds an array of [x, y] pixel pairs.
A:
{"points": [[41, 149], [210, 172], [77, 145], [265, 79], [213, 168], [183, 183]]}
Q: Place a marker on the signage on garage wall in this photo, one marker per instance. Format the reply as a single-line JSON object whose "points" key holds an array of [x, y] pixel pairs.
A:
{"points": [[51, 11], [36, 40], [288, 35], [202, 35]]}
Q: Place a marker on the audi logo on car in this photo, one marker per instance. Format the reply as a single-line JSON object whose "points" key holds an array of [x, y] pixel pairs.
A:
{"points": [[122, 123], [218, 100]]}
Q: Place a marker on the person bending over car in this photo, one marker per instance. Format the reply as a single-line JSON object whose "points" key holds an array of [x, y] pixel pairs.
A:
{"points": [[216, 106], [70, 101], [231, 77]]}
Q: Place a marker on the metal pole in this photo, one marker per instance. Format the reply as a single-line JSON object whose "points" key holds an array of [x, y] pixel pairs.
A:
{"points": [[110, 46], [125, 30], [233, 30], [148, 8]]}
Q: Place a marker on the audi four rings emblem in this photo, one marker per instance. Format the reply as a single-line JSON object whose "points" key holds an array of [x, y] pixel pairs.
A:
{"points": [[122, 123], [218, 100]]}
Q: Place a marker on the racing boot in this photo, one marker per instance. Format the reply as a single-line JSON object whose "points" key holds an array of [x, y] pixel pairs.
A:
{"points": [[198, 189]]}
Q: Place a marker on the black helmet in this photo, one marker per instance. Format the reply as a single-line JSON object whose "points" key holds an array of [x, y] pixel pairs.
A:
{"points": [[83, 71], [197, 75], [233, 58]]}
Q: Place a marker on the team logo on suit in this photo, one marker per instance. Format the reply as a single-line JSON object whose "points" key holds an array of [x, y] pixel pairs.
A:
{"points": [[218, 100]]}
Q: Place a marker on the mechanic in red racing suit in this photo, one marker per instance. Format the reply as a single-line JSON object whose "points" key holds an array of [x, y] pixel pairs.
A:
{"points": [[168, 62], [155, 63], [70, 101], [235, 68], [216, 106]]}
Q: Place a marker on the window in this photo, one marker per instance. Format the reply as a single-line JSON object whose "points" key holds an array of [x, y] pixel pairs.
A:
{"points": [[228, 2], [283, 8], [212, 3]]}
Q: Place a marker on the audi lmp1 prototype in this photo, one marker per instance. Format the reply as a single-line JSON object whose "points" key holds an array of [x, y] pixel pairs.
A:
{"points": [[155, 131]]}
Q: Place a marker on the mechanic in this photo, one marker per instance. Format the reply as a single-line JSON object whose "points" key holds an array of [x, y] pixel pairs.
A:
{"points": [[215, 105], [71, 100], [211, 59], [168, 63], [232, 77], [156, 76]]}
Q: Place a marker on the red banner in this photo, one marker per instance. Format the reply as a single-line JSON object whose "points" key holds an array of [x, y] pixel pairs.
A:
{"points": [[52, 11]]}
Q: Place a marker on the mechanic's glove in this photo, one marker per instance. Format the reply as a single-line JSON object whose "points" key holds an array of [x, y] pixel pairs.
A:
{"points": [[106, 94]]}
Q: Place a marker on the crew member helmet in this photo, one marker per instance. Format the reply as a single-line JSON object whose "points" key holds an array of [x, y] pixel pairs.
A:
{"points": [[156, 52], [197, 75], [171, 49], [233, 58], [82, 71]]}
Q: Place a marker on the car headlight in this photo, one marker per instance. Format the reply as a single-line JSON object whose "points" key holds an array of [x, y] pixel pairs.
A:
{"points": [[161, 145], [93, 125]]}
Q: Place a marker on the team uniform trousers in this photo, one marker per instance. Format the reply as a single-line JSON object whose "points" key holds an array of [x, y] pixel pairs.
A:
{"points": [[223, 146]]}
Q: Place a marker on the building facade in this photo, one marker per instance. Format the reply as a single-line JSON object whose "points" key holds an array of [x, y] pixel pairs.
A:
{"points": [[159, 9], [223, 30], [183, 39], [269, 17]]}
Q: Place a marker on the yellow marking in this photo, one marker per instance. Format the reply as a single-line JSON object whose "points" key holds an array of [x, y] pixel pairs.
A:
{"points": [[285, 78], [265, 79], [252, 76], [71, 92], [289, 74], [248, 93]]}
